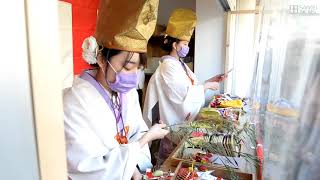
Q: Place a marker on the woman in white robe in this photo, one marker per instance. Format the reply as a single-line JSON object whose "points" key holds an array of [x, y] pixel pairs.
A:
{"points": [[93, 151], [174, 94], [106, 136]]}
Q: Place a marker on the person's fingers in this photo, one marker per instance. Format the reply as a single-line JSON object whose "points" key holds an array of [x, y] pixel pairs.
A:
{"points": [[162, 125], [165, 131]]}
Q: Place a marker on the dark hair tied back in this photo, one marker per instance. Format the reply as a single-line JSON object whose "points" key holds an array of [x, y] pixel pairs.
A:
{"points": [[167, 43]]}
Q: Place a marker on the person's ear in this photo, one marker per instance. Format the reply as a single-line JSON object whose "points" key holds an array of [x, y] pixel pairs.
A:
{"points": [[101, 61], [174, 45]]}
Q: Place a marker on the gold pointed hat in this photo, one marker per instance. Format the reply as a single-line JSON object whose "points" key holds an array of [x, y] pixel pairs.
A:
{"points": [[126, 24], [181, 24]]}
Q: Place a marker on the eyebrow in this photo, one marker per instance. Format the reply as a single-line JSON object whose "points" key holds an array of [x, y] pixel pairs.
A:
{"points": [[131, 62], [127, 62]]}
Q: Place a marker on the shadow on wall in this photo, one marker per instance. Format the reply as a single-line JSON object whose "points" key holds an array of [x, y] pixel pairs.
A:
{"points": [[167, 6]]}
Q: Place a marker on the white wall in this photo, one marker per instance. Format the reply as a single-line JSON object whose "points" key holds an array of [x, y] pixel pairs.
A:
{"points": [[167, 6], [66, 51], [31, 115], [45, 70], [210, 36], [18, 157]]}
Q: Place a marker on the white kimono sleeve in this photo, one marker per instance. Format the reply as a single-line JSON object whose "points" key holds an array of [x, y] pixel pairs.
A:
{"points": [[87, 156], [144, 160], [178, 90]]}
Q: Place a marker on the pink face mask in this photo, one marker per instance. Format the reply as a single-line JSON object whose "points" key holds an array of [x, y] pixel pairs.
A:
{"points": [[124, 81], [183, 52]]}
